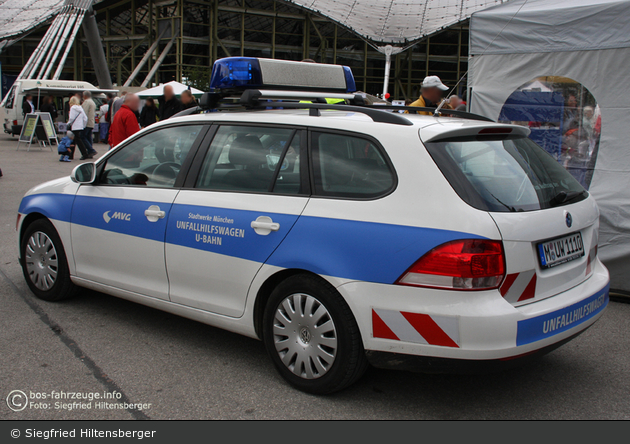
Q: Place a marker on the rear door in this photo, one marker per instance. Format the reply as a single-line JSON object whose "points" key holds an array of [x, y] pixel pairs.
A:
{"points": [[548, 222], [238, 206]]}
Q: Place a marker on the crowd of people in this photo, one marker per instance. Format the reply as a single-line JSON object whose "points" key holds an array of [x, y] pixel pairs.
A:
{"points": [[122, 116], [117, 117]]}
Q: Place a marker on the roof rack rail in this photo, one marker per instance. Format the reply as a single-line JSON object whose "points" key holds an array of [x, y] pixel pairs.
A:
{"points": [[375, 114], [264, 99], [450, 112]]}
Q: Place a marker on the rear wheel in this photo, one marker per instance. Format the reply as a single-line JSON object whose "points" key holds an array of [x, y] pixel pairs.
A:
{"points": [[312, 337], [44, 262]]}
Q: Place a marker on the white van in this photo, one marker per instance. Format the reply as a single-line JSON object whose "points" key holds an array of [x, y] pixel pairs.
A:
{"points": [[59, 89]]}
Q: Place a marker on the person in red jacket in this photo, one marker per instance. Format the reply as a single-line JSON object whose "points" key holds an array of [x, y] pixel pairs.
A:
{"points": [[125, 121]]}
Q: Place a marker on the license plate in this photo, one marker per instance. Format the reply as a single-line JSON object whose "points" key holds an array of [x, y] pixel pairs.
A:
{"points": [[560, 250]]}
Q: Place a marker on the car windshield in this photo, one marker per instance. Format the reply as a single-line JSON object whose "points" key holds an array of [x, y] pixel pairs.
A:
{"points": [[505, 175]]}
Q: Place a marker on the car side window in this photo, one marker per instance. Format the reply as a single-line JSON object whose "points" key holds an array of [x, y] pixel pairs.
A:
{"points": [[254, 159], [153, 160], [349, 166]]}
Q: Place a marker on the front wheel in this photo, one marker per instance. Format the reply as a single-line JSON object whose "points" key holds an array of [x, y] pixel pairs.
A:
{"points": [[312, 337], [44, 262]]}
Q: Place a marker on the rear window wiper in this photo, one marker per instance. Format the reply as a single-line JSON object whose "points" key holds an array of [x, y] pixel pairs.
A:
{"points": [[510, 208], [563, 197]]}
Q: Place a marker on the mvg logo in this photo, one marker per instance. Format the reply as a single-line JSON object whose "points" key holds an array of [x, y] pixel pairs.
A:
{"points": [[116, 215]]}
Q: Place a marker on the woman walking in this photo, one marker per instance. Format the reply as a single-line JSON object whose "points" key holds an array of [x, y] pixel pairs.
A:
{"points": [[148, 115], [77, 120]]}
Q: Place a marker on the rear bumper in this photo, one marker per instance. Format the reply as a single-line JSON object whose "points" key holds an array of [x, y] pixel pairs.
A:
{"points": [[477, 326], [428, 364], [9, 128]]}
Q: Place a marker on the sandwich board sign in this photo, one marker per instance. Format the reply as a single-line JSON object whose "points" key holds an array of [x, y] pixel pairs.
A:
{"points": [[49, 127], [34, 127]]}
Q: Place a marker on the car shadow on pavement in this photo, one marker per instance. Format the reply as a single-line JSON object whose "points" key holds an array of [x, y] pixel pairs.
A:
{"points": [[170, 341]]}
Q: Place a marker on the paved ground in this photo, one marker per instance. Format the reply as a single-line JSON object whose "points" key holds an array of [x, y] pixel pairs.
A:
{"points": [[187, 370]]}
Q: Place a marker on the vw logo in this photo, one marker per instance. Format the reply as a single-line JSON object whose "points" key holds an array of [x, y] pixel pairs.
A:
{"points": [[305, 335], [569, 220]]}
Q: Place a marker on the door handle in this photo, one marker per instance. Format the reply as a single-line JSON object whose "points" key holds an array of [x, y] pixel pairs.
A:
{"points": [[153, 213], [264, 225]]}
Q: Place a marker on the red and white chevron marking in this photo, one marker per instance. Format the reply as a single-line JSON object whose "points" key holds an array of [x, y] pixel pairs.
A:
{"points": [[519, 287], [415, 327]]}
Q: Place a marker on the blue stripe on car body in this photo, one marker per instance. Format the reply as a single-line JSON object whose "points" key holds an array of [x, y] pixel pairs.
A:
{"points": [[545, 326], [348, 249]]}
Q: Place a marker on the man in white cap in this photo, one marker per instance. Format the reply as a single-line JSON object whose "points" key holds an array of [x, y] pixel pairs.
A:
{"points": [[431, 94]]}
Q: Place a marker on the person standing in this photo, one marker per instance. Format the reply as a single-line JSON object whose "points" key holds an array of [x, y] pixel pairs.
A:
{"points": [[571, 118], [103, 123], [431, 94], [77, 122], [125, 122], [48, 106], [90, 110], [27, 105], [115, 105], [169, 104], [148, 116], [188, 100]]}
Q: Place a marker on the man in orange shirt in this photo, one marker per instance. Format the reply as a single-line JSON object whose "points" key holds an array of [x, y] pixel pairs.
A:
{"points": [[125, 121]]}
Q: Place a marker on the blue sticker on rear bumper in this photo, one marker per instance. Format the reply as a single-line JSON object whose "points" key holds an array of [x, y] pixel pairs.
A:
{"points": [[545, 326]]}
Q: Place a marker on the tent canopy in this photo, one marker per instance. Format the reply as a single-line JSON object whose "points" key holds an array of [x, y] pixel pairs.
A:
{"points": [[550, 26], [587, 43], [158, 91]]}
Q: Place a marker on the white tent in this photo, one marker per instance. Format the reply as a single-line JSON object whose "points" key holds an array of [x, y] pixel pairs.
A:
{"points": [[588, 42], [158, 91]]}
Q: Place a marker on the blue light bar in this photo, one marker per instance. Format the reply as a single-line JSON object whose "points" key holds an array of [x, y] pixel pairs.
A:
{"points": [[253, 73], [236, 72]]}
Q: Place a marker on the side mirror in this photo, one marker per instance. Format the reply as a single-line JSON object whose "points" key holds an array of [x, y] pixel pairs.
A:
{"points": [[84, 174]]}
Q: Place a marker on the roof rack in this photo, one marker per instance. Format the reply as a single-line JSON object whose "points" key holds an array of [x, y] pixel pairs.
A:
{"points": [[256, 99], [375, 114], [448, 112]]}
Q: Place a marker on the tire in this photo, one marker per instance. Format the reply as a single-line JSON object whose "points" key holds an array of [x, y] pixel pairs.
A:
{"points": [[312, 337], [44, 263]]}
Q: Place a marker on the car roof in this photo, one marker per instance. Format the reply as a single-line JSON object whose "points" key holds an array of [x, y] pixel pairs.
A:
{"points": [[346, 120]]}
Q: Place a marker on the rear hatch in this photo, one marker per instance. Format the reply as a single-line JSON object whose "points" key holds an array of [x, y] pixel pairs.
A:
{"points": [[547, 220]]}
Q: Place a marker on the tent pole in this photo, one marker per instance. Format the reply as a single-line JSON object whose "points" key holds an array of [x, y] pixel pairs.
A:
{"points": [[388, 50], [388, 65]]}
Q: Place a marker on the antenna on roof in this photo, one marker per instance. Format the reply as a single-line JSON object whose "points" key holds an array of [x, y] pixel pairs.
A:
{"points": [[437, 110]]}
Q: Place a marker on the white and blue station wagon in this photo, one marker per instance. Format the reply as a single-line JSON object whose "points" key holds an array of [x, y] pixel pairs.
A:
{"points": [[338, 234]]}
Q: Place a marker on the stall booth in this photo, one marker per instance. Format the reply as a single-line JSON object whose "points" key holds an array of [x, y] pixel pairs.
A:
{"points": [[561, 68]]}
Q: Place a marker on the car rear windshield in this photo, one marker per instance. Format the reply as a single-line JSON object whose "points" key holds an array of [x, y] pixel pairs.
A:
{"points": [[505, 175]]}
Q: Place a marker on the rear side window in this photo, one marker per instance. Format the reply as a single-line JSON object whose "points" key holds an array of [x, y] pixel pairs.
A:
{"points": [[350, 166], [505, 175], [253, 159]]}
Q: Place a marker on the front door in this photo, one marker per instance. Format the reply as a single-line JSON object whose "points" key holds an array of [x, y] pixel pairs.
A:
{"points": [[119, 224]]}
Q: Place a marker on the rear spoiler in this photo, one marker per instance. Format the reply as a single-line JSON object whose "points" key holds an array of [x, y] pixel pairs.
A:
{"points": [[439, 132]]}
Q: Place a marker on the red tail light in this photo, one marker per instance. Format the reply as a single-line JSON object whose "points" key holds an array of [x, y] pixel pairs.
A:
{"points": [[469, 264], [17, 223], [15, 122]]}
